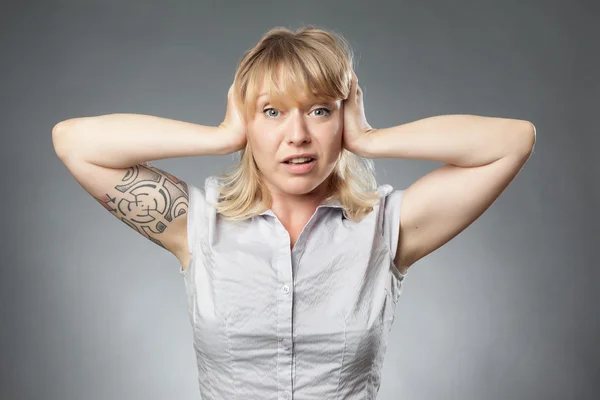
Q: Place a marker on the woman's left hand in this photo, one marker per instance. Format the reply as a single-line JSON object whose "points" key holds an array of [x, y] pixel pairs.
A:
{"points": [[356, 127]]}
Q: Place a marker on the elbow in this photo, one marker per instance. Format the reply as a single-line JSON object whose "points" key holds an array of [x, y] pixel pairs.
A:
{"points": [[529, 137], [60, 137], [524, 138], [62, 127]]}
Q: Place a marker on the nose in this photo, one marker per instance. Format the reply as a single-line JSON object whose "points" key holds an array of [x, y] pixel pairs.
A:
{"points": [[298, 132]]}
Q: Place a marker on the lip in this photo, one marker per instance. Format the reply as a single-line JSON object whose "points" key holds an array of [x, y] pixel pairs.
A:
{"points": [[300, 168], [308, 155]]}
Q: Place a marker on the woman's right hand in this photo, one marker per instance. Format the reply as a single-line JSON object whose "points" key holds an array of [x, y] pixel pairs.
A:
{"points": [[233, 126]]}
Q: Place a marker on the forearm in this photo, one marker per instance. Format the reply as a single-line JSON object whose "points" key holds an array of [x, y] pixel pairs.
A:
{"points": [[463, 140], [123, 140]]}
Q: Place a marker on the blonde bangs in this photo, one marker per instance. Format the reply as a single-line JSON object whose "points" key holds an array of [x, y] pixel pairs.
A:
{"points": [[308, 66]]}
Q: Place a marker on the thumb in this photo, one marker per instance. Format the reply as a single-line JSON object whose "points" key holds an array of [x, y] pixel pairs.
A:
{"points": [[230, 93], [353, 89]]}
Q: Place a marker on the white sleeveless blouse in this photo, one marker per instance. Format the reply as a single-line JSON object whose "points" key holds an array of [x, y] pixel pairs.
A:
{"points": [[308, 323]]}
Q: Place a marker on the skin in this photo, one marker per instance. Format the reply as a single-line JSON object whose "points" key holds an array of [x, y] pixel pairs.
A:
{"points": [[482, 155], [148, 200], [274, 134]]}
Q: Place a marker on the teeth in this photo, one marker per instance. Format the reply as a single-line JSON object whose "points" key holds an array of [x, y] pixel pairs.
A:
{"points": [[299, 160]]}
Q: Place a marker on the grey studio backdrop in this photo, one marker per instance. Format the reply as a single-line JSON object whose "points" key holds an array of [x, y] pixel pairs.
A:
{"points": [[507, 310]]}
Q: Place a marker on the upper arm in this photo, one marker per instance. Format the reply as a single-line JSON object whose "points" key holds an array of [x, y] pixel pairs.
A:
{"points": [[441, 204], [149, 200]]}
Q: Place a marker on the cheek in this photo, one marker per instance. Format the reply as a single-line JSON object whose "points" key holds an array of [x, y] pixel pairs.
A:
{"points": [[335, 140], [264, 149], [337, 127], [333, 134], [256, 138], [263, 143]]}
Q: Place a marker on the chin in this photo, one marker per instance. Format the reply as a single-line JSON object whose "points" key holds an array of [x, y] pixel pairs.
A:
{"points": [[300, 184]]}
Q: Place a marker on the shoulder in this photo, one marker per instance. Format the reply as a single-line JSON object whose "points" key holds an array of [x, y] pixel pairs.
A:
{"points": [[200, 215], [389, 201], [202, 200], [389, 215], [205, 194]]}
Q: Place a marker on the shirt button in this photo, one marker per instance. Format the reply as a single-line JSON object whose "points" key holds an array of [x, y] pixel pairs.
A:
{"points": [[285, 344], [284, 396], [285, 289]]}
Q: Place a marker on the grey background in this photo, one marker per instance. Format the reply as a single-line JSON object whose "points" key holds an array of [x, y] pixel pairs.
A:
{"points": [[507, 310]]}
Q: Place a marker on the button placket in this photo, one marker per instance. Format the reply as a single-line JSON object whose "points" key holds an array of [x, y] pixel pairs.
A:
{"points": [[284, 320]]}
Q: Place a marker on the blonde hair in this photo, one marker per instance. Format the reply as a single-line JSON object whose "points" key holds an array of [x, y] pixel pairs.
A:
{"points": [[316, 64]]}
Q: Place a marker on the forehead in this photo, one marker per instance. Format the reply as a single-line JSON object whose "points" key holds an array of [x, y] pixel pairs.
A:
{"points": [[289, 94], [286, 87], [295, 100]]}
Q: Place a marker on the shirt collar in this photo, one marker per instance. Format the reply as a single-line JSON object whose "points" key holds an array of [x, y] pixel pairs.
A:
{"points": [[331, 203]]}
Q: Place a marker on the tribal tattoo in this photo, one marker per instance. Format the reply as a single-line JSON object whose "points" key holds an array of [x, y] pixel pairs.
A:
{"points": [[149, 199]]}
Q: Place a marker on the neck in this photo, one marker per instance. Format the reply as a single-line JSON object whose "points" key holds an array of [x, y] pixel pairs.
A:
{"points": [[290, 207]]}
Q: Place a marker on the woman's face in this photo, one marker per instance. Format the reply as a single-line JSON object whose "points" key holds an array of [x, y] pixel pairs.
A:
{"points": [[306, 128]]}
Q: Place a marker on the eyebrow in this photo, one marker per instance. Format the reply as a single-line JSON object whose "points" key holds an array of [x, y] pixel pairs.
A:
{"points": [[261, 96], [259, 99], [314, 101]]}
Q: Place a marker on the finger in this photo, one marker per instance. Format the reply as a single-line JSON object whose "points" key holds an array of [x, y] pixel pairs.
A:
{"points": [[353, 86]]}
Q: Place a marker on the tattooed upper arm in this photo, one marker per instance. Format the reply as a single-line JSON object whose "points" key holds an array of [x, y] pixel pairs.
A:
{"points": [[149, 200]]}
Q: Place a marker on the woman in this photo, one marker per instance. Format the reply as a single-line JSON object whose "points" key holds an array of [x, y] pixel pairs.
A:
{"points": [[294, 261]]}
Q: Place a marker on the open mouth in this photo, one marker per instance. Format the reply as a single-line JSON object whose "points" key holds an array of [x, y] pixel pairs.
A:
{"points": [[301, 166], [303, 161]]}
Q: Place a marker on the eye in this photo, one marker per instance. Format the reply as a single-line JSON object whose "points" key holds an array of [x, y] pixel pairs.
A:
{"points": [[270, 109], [272, 113], [327, 111]]}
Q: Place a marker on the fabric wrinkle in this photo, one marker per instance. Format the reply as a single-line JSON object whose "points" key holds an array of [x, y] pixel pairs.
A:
{"points": [[311, 322]]}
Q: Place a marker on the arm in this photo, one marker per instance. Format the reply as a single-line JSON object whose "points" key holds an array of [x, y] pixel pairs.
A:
{"points": [[482, 155], [123, 140], [108, 156]]}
